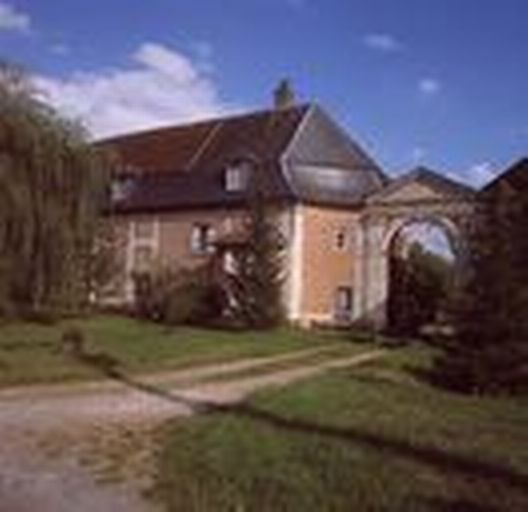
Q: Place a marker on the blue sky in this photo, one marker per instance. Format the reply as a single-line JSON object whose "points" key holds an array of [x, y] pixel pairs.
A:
{"points": [[434, 82]]}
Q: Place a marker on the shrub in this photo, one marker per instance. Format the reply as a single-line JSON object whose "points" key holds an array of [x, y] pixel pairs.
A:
{"points": [[178, 296], [490, 369], [73, 341], [489, 352]]}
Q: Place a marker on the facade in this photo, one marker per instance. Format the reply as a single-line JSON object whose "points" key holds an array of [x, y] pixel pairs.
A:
{"points": [[182, 189]]}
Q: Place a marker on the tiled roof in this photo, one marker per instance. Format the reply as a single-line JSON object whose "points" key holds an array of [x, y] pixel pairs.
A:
{"points": [[301, 153], [162, 150], [197, 146], [183, 166]]}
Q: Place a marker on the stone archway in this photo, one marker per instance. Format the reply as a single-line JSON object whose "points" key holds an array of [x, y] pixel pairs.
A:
{"points": [[450, 227], [425, 257], [418, 197]]}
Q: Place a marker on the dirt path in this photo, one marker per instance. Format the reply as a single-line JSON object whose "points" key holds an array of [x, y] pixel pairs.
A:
{"points": [[47, 431]]}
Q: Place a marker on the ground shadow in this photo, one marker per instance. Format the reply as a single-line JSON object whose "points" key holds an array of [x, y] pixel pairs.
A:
{"points": [[438, 504], [432, 456]]}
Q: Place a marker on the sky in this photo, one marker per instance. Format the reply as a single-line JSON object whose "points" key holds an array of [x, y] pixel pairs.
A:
{"points": [[439, 83]]}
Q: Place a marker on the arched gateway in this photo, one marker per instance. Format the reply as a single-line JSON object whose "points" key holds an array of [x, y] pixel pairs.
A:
{"points": [[421, 196]]}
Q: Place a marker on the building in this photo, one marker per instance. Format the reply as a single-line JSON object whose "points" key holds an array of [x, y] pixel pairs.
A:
{"points": [[183, 188]]}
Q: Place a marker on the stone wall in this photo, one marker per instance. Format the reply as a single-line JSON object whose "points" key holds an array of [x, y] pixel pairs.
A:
{"points": [[328, 249]]}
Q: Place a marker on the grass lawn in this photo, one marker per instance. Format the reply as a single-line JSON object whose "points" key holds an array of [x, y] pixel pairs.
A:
{"points": [[31, 353], [373, 438]]}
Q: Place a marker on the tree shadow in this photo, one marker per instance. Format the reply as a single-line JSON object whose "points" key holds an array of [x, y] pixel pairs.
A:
{"points": [[428, 455], [438, 504], [110, 367]]}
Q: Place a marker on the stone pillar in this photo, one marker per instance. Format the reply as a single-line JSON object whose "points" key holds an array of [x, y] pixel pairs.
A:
{"points": [[359, 265], [373, 279]]}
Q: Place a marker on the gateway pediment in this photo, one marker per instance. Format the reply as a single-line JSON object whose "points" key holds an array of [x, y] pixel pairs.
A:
{"points": [[421, 185]]}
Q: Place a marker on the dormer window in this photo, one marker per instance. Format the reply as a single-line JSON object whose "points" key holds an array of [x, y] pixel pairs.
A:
{"points": [[121, 188], [236, 176]]}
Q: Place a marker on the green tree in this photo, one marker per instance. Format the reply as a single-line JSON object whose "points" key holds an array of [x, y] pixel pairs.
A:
{"points": [[177, 296], [490, 351], [256, 291], [420, 285], [53, 187]]}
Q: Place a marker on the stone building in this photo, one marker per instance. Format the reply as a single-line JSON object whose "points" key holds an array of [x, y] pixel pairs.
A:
{"points": [[182, 189]]}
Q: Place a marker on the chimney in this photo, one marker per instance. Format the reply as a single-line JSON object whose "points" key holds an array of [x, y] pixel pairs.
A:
{"points": [[283, 95]]}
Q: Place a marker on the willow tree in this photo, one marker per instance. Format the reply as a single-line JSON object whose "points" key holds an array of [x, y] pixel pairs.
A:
{"points": [[53, 186]]}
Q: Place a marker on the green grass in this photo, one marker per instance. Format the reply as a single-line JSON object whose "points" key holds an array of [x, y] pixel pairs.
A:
{"points": [[32, 353], [373, 438]]}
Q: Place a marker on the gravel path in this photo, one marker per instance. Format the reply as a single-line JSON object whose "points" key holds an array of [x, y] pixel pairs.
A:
{"points": [[47, 431]]}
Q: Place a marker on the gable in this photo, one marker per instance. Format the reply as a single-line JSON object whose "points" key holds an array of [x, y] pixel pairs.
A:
{"points": [[413, 192], [421, 185]]}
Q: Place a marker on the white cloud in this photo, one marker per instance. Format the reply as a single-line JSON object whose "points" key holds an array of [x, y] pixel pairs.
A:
{"points": [[161, 86], [382, 43], [480, 173], [12, 19], [429, 86]]}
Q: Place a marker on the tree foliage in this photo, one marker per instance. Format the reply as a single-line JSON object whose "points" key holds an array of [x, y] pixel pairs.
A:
{"points": [[175, 296], [490, 352], [256, 291], [420, 285], [53, 187]]}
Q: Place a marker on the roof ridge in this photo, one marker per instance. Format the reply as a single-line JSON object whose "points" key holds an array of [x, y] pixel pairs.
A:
{"points": [[311, 108]]}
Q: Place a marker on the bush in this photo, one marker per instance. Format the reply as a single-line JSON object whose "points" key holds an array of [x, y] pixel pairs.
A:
{"points": [[73, 341], [489, 352], [492, 369], [178, 296]]}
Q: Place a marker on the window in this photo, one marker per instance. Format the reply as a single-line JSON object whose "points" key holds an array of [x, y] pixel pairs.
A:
{"points": [[143, 256], [236, 177], [228, 226], [202, 238], [143, 229], [121, 188], [230, 263], [344, 302], [341, 239]]}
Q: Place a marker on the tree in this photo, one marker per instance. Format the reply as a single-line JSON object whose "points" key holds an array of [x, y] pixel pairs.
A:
{"points": [[53, 187], [256, 291], [490, 351], [177, 296], [420, 284]]}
